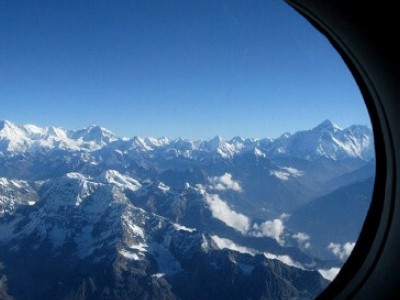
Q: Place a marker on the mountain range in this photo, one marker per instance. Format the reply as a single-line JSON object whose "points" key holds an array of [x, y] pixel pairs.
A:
{"points": [[85, 214], [326, 140]]}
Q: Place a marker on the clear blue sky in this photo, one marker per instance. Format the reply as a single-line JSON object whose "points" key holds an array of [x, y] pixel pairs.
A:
{"points": [[171, 68]]}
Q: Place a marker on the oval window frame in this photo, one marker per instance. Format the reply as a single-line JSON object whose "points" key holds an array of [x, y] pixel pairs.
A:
{"points": [[370, 271]]}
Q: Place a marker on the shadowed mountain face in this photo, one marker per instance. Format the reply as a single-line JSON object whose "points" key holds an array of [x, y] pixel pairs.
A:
{"points": [[87, 215], [336, 217]]}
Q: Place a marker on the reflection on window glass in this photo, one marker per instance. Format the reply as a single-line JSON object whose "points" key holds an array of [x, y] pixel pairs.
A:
{"points": [[233, 156]]}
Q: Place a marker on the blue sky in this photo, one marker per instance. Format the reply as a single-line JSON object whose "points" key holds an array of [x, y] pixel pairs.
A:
{"points": [[193, 69]]}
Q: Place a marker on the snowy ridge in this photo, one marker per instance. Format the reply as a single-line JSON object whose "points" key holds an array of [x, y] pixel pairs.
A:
{"points": [[116, 178], [20, 138], [325, 140]]}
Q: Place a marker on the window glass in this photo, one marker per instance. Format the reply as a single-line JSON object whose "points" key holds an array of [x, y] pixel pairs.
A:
{"points": [[232, 155]]}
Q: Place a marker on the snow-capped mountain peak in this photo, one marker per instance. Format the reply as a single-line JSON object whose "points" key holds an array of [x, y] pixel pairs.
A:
{"points": [[57, 133], [22, 138], [215, 143], [96, 134], [10, 130], [5, 123], [326, 140], [327, 125]]}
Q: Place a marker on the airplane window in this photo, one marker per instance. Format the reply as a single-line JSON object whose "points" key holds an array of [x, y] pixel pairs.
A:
{"points": [[232, 155]]}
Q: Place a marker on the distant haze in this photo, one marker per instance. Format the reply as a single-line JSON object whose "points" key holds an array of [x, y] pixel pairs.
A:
{"points": [[193, 69]]}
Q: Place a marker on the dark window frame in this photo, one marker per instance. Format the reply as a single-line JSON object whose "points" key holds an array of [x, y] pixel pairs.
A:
{"points": [[364, 34]]}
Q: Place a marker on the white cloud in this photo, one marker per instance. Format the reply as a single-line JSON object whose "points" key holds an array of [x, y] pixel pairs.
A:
{"points": [[273, 229], [284, 216], [225, 182], [343, 252], [286, 259], [293, 171], [348, 248], [219, 208], [302, 239], [258, 152], [221, 211], [329, 274], [201, 188], [223, 243], [130, 255], [301, 236], [163, 187], [286, 172], [183, 228], [280, 174]]}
